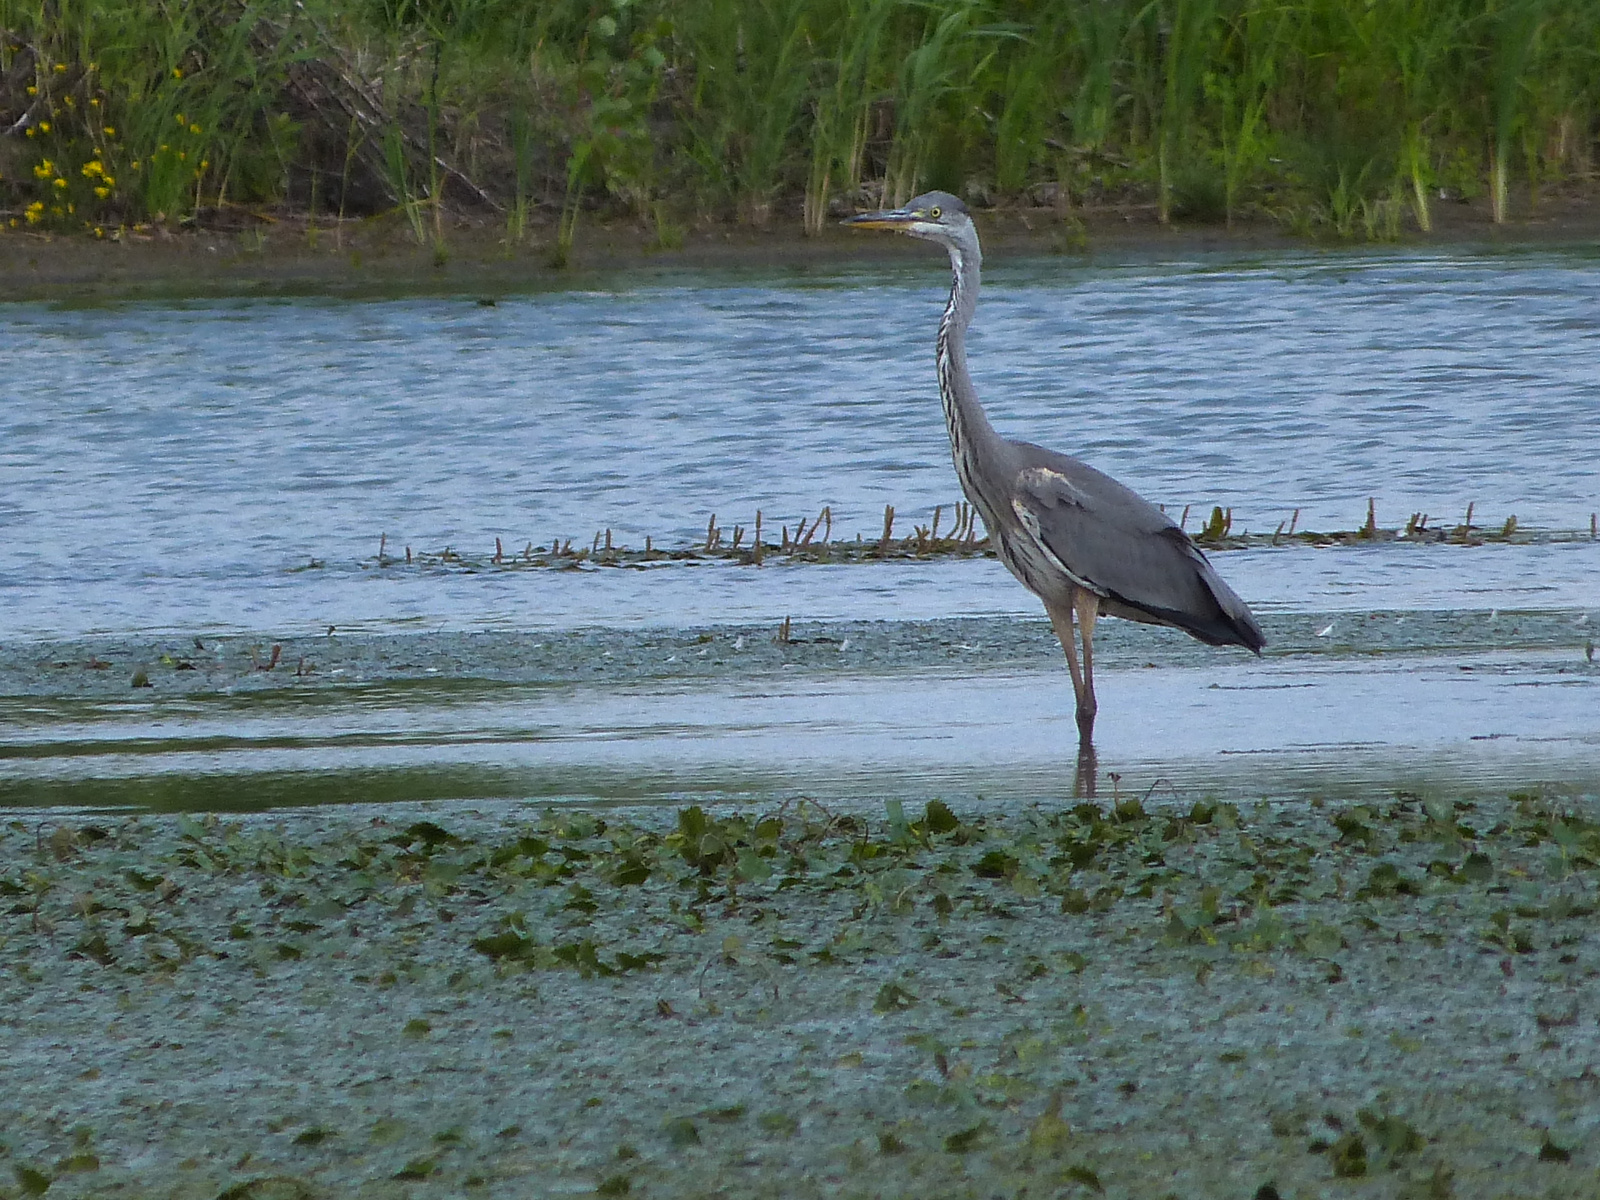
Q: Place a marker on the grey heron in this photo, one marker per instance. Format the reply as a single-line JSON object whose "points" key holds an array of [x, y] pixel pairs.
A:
{"points": [[1082, 542]]}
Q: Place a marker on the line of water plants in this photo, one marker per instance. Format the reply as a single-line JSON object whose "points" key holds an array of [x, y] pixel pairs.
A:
{"points": [[1347, 116], [812, 540]]}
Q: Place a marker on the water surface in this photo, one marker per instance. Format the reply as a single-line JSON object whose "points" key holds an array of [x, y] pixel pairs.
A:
{"points": [[203, 480]]}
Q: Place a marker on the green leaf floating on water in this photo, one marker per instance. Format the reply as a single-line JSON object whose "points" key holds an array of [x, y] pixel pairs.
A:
{"points": [[995, 864], [681, 1132], [939, 819], [1079, 1173], [506, 944], [967, 1140], [892, 997], [1348, 1156]]}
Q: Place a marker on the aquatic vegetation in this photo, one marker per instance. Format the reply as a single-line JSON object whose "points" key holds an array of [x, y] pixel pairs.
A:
{"points": [[1323, 115], [980, 981], [813, 542]]}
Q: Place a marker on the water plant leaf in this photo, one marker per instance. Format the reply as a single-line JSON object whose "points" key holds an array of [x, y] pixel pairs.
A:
{"points": [[995, 864], [967, 1140], [1386, 880], [429, 834], [94, 946], [1348, 1156], [892, 997], [417, 1168], [1393, 1137], [681, 1132], [753, 867], [1352, 829], [631, 872], [614, 1185], [33, 1181], [507, 944], [269, 1187], [1550, 1152], [938, 818], [1079, 1173], [778, 1124], [1321, 940]]}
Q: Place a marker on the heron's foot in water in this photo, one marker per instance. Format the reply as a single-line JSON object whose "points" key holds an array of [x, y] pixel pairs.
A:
{"points": [[1086, 712]]}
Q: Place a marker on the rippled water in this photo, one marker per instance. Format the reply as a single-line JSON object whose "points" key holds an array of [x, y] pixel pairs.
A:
{"points": [[171, 471], [165, 464]]}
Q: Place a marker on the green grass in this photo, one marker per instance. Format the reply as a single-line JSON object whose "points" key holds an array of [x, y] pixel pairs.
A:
{"points": [[1345, 116]]}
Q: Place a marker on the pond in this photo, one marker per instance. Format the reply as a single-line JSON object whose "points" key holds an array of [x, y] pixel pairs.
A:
{"points": [[220, 475]]}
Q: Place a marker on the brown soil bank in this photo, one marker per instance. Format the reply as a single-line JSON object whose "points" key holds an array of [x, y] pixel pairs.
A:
{"points": [[288, 253]]}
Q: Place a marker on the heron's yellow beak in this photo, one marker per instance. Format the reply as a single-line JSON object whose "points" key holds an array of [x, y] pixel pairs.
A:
{"points": [[896, 219]]}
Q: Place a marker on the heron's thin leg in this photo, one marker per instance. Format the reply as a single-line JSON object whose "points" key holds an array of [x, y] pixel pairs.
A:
{"points": [[1087, 606], [1061, 621], [1084, 778]]}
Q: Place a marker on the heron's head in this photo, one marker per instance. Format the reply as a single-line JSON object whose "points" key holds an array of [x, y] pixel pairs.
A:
{"points": [[933, 216]]}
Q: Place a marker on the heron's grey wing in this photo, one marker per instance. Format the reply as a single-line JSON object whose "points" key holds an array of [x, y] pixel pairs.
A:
{"points": [[1112, 541]]}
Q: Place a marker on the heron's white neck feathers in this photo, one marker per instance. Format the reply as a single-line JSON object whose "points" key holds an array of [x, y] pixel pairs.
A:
{"points": [[971, 435]]}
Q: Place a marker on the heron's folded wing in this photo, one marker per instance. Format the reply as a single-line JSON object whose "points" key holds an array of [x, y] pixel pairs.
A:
{"points": [[1119, 545]]}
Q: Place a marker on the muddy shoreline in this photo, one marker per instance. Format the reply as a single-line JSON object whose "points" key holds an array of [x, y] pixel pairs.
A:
{"points": [[289, 254]]}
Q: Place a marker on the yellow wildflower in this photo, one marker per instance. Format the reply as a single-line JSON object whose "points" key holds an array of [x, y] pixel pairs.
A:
{"points": [[93, 168], [32, 131], [102, 192], [183, 156], [32, 91], [109, 181], [180, 119], [45, 169], [44, 126], [110, 132], [94, 101], [59, 182], [194, 129], [176, 73], [134, 164], [99, 232], [61, 68]]}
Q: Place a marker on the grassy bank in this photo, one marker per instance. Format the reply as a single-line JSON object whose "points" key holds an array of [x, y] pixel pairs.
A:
{"points": [[1342, 116], [1144, 998]]}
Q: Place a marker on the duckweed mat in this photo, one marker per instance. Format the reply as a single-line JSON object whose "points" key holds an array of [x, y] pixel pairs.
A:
{"points": [[1155, 996]]}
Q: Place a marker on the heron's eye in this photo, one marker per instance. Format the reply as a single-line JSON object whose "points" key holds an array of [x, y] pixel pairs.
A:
{"points": [[934, 212]]}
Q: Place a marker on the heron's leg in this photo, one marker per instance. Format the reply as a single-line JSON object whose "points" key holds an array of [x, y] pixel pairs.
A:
{"points": [[1083, 780], [1087, 606], [1061, 622]]}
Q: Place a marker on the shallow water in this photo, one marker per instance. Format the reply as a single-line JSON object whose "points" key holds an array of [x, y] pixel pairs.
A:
{"points": [[172, 470], [166, 465]]}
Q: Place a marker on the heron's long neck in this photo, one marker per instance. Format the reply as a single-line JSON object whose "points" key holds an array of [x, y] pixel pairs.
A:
{"points": [[972, 438]]}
